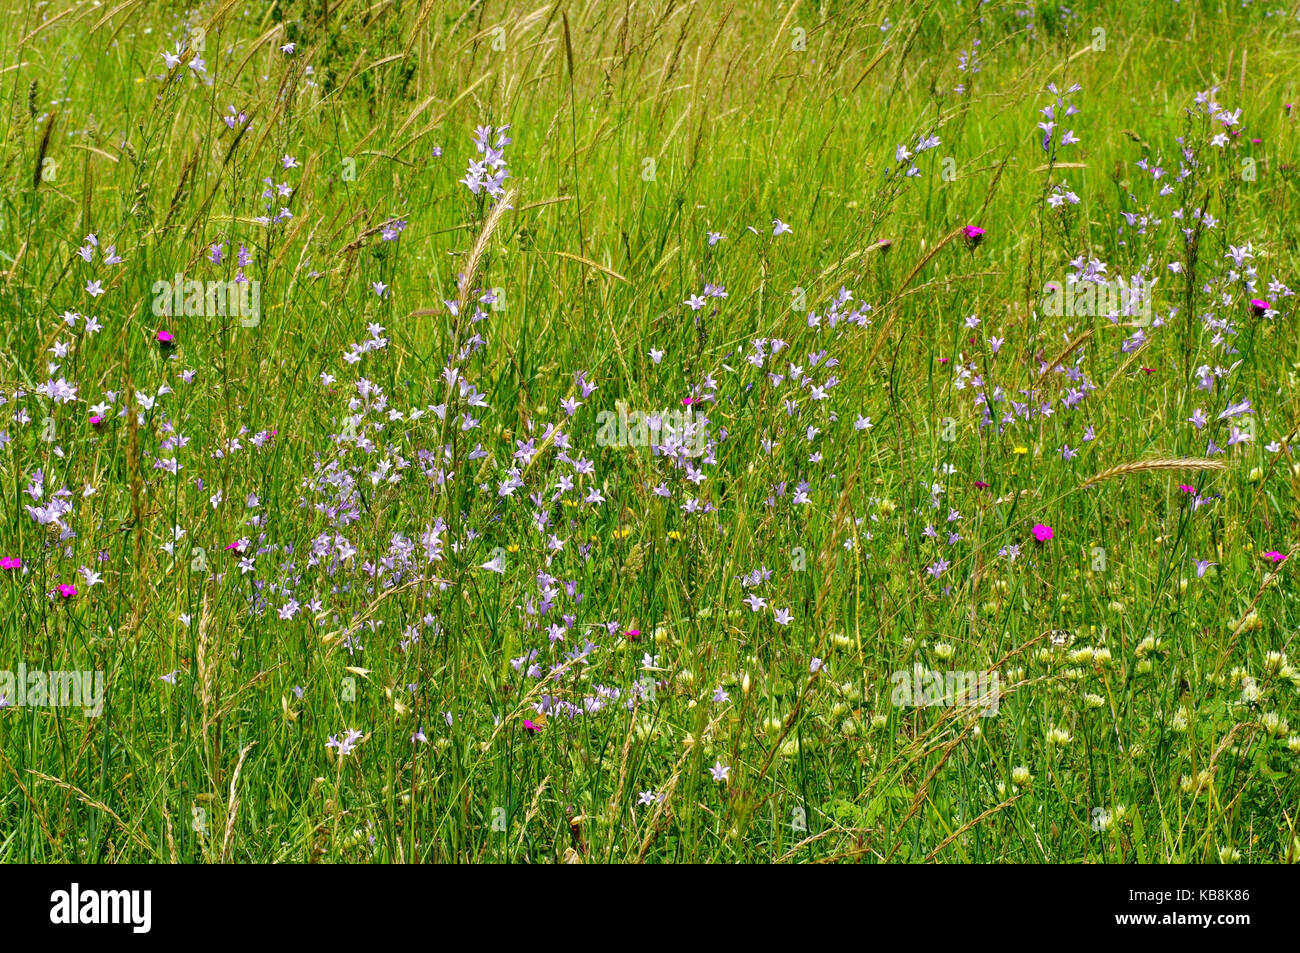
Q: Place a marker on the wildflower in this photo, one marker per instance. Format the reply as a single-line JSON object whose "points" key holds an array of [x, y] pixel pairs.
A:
{"points": [[973, 234], [1042, 532], [530, 727], [720, 771], [1260, 307], [1058, 737], [67, 591], [166, 340], [1274, 555], [346, 746]]}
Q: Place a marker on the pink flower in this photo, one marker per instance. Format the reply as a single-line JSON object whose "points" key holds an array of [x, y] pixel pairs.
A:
{"points": [[1259, 305], [166, 339], [1274, 555], [67, 591], [529, 726], [1188, 489], [688, 401], [11, 562], [1042, 532], [980, 485], [973, 234]]}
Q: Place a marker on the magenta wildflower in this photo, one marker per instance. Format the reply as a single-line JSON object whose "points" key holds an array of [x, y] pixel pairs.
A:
{"points": [[1274, 555], [1042, 532], [67, 591], [11, 562], [166, 340], [1259, 306], [973, 234]]}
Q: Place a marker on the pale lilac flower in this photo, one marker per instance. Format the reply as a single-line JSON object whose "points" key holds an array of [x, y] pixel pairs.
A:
{"points": [[347, 745]]}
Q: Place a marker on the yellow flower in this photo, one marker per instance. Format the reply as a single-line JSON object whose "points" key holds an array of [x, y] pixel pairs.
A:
{"points": [[1020, 450]]}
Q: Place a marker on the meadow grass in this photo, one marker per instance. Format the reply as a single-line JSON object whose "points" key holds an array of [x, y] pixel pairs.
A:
{"points": [[395, 570]]}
